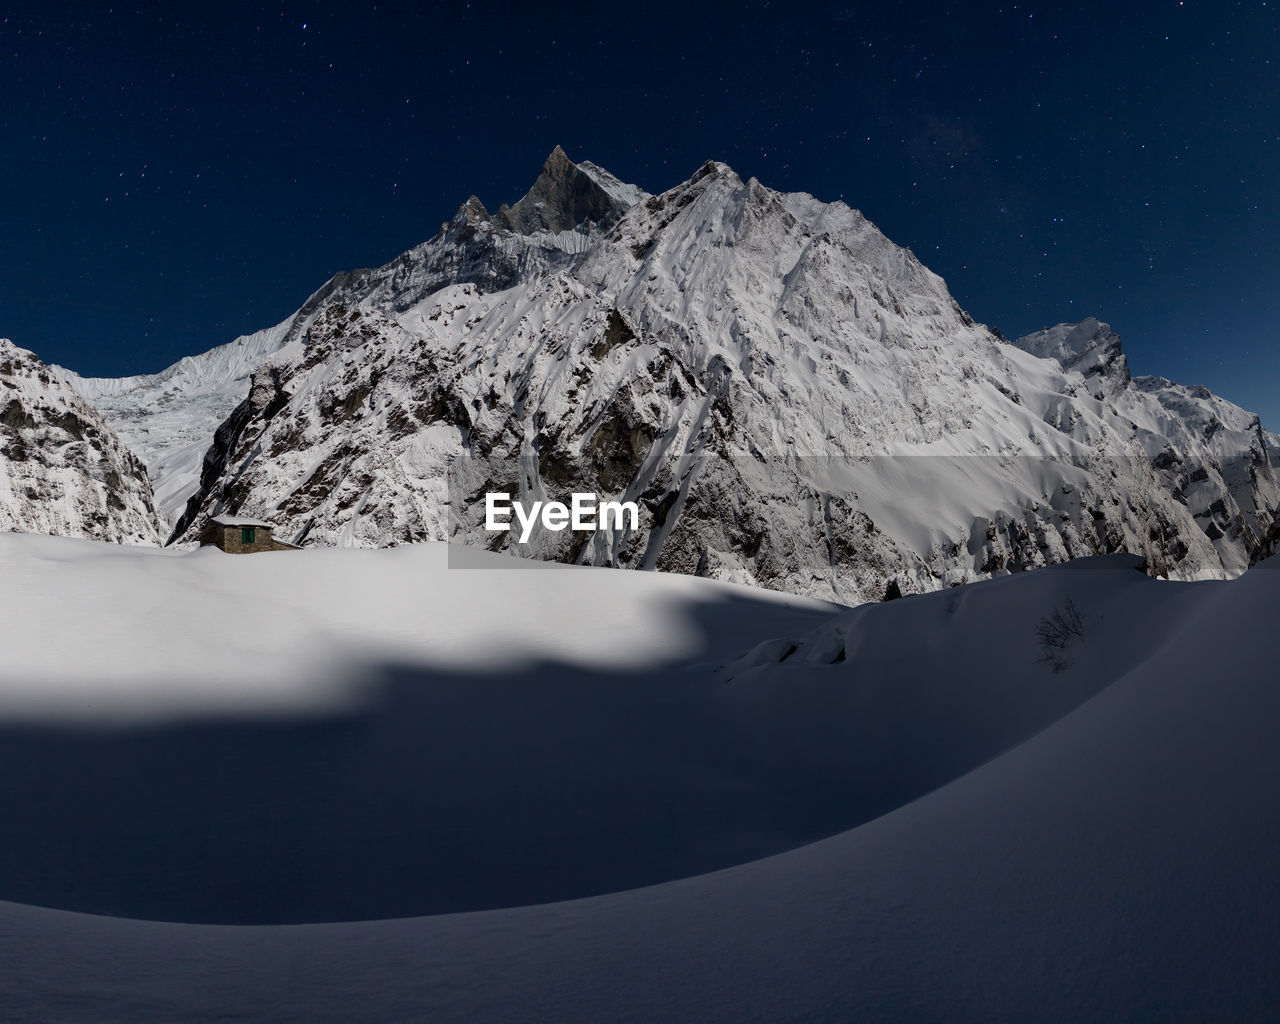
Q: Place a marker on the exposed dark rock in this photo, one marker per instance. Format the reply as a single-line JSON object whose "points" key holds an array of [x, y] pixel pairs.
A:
{"points": [[561, 199]]}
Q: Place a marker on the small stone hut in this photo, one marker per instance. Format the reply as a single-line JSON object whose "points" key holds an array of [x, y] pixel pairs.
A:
{"points": [[239, 536]]}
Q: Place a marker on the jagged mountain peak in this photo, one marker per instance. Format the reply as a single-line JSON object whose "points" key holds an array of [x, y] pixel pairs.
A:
{"points": [[563, 198], [1089, 346], [472, 210]]}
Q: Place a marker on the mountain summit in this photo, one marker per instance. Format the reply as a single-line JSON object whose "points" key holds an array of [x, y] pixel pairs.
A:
{"points": [[563, 198]]}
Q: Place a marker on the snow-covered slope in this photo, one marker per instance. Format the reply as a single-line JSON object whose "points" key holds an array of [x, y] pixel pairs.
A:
{"points": [[1014, 840], [1089, 348], [167, 419], [1213, 456], [62, 469], [622, 191], [796, 401]]}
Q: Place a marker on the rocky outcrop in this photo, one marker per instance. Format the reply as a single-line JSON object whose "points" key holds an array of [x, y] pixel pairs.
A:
{"points": [[1211, 455], [62, 469], [562, 199]]}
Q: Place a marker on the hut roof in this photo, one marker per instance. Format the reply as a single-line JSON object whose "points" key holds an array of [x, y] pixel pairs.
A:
{"points": [[239, 521]]}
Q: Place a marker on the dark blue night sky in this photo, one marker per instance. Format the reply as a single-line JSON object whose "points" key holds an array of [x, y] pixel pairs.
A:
{"points": [[177, 174]]}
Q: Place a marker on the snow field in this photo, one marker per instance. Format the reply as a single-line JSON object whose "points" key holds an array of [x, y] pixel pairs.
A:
{"points": [[1018, 843]]}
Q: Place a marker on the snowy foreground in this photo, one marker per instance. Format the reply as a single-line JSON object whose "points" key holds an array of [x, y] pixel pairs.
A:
{"points": [[569, 794]]}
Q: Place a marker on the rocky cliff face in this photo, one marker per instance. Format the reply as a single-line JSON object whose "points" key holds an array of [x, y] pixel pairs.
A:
{"points": [[1216, 459], [794, 401], [62, 469], [562, 198], [1212, 456]]}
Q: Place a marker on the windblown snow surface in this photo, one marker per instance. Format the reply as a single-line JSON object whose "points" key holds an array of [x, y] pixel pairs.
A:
{"points": [[352, 785]]}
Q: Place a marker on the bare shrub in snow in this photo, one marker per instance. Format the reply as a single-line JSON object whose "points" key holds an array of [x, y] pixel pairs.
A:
{"points": [[1054, 632]]}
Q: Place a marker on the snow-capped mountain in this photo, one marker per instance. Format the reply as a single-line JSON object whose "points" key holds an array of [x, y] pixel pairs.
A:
{"points": [[796, 402], [62, 469], [169, 418]]}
